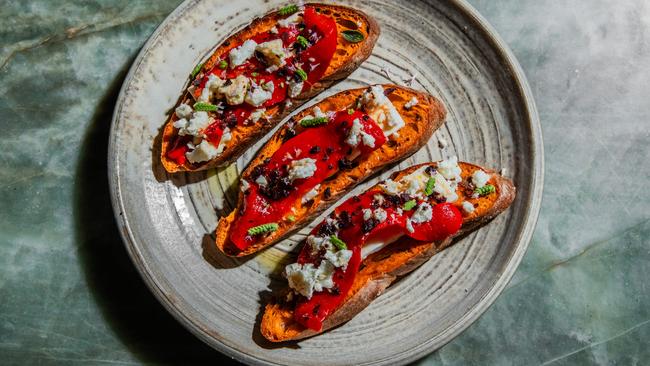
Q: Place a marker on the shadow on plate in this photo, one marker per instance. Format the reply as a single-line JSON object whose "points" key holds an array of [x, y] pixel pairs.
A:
{"points": [[130, 309]]}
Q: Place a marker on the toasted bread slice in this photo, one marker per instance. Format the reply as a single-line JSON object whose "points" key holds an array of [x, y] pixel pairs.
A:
{"points": [[420, 120], [381, 269], [347, 58]]}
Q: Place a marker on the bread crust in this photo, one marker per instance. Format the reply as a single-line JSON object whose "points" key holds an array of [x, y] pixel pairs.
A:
{"points": [[420, 123], [381, 269], [347, 58]]}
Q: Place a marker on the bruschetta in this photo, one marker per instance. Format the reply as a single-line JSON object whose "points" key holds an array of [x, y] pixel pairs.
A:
{"points": [[372, 239], [319, 155], [260, 75]]}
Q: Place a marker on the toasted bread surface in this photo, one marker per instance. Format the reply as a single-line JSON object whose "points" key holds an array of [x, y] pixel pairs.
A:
{"points": [[420, 122], [382, 268], [347, 58]]}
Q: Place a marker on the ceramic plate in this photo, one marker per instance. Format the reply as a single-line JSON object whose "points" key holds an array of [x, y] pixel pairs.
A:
{"points": [[443, 47]]}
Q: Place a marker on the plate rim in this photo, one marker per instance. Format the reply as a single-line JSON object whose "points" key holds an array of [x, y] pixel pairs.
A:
{"points": [[417, 352]]}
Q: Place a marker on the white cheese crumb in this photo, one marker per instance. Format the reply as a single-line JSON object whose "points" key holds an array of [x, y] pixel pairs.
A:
{"points": [[256, 115], [295, 18], [274, 30], [468, 207], [444, 188], [376, 103], [295, 88], [226, 136], [184, 111], [339, 259], [193, 127], [409, 226], [390, 186], [211, 88], [257, 95], [367, 214], [273, 52], [242, 53], [203, 152], [235, 92], [245, 186], [305, 279], [303, 168], [261, 181], [449, 169], [318, 243], [379, 199], [480, 178], [380, 214], [311, 194], [411, 103], [422, 214], [356, 133]]}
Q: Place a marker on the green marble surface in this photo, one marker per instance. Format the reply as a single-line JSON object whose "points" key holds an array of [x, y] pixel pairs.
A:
{"points": [[69, 294]]}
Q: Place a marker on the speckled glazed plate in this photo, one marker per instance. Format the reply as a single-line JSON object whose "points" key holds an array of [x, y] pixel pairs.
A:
{"points": [[443, 47]]}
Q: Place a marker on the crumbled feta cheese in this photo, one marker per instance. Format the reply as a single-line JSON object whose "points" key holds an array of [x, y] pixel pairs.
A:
{"points": [[367, 214], [409, 225], [273, 52], [444, 188], [468, 207], [480, 178], [184, 111], [242, 53], [274, 30], [203, 152], [449, 169], [380, 214], [376, 103], [226, 136], [422, 214], [257, 95], [318, 113], [235, 92], [339, 259], [356, 133], [295, 88], [245, 186], [411, 103], [416, 182], [379, 199], [295, 18], [305, 279], [311, 194], [180, 124], [390, 186], [193, 127], [256, 115], [261, 181], [211, 88], [318, 244], [303, 168]]}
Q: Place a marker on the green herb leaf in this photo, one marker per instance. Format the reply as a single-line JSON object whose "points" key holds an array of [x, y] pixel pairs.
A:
{"points": [[485, 190], [350, 111], [223, 64], [302, 74], [205, 107], [353, 36], [262, 229], [255, 74], [289, 9], [312, 122], [196, 70], [302, 41], [291, 218], [338, 243], [408, 205], [431, 183]]}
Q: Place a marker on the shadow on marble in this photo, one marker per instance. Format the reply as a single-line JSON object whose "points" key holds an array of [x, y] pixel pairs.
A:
{"points": [[133, 313]]}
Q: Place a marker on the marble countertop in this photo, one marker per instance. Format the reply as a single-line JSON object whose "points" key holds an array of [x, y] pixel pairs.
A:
{"points": [[70, 294]]}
